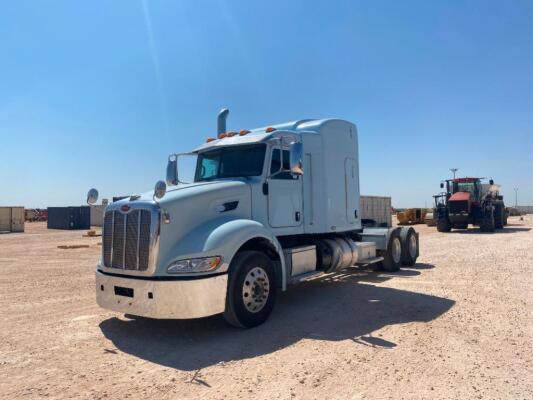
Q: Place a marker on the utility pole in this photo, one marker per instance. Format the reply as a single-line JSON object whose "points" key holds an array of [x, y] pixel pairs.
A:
{"points": [[454, 170], [515, 197]]}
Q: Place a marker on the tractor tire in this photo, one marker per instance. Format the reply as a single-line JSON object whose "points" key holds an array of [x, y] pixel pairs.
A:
{"points": [[392, 257], [499, 217], [410, 249], [487, 222], [444, 225], [252, 290], [461, 226], [505, 215]]}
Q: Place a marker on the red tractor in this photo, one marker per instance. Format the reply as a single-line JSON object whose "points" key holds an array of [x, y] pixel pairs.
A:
{"points": [[468, 201]]}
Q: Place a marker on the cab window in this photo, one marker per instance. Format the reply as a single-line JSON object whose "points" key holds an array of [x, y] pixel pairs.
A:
{"points": [[275, 165]]}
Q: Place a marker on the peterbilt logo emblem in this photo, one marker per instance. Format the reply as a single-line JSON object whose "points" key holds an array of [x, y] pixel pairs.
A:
{"points": [[125, 208]]}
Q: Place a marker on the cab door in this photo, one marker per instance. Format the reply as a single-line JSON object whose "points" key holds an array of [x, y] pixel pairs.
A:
{"points": [[284, 193]]}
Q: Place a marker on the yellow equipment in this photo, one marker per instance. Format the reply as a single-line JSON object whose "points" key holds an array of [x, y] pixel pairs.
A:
{"points": [[411, 216]]}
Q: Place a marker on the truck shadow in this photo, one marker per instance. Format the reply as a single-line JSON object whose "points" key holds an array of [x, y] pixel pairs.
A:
{"points": [[339, 307], [506, 229]]}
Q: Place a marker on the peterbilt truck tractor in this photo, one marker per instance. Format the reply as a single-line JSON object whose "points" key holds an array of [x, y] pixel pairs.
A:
{"points": [[268, 208]]}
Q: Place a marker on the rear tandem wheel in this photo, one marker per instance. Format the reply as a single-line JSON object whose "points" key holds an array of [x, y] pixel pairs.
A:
{"points": [[392, 256], [410, 249]]}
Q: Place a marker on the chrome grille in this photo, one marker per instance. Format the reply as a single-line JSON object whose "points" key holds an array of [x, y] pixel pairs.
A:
{"points": [[126, 239]]}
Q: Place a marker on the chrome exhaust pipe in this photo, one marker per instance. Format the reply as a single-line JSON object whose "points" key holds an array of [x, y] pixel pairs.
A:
{"points": [[221, 120]]}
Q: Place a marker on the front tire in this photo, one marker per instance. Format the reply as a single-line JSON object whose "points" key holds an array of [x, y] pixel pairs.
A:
{"points": [[251, 290], [444, 225]]}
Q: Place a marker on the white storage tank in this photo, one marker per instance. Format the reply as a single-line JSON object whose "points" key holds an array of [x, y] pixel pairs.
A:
{"points": [[377, 209], [11, 219]]}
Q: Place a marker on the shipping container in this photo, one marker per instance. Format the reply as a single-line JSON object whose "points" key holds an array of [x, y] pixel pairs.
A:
{"points": [[11, 219], [376, 211], [69, 217], [97, 215]]}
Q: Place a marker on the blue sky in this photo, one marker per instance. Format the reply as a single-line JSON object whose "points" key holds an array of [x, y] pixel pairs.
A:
{"points": [[98, 93]]}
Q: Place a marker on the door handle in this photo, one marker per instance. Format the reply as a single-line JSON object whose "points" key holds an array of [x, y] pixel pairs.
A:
{"points": [[297, 215]]}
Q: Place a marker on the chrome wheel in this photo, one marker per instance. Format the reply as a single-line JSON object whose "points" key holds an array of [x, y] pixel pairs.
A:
{"points": [[396, 250], [412, 246], [255, 289]]}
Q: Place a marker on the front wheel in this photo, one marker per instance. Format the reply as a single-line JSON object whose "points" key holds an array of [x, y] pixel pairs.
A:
{"points": [[251, 290], [444, 225]]}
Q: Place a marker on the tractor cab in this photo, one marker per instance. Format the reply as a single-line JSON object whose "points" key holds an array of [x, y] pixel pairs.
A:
{"points": [[461, 189]]}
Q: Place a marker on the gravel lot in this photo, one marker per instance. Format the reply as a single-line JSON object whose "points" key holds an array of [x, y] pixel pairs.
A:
{"points": [[457, 325]]}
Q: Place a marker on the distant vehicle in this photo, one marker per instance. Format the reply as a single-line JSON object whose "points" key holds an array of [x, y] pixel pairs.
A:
{"points": [[469, 201], [35, 214], [250, 224], [411, 216]]}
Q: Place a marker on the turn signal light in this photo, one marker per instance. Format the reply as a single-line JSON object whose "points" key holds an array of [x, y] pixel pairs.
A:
{"points": [[244, 132], [222, 135], [270, 129], [210, 139]]}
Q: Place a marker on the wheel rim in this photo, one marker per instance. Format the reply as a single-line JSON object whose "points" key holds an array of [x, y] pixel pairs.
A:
{"points": [[412, 246], [396, 250], [255, 290]]}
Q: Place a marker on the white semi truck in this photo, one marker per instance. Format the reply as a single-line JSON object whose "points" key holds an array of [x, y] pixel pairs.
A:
{"points": [[268, 208]]}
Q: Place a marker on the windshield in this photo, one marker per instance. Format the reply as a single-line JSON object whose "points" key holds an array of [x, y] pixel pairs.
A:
{"points": [[464, 187], [230, 162]]}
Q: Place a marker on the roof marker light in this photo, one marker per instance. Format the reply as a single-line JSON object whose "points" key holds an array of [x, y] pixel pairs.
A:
{"points": [[231, 133], [222, 135], [270, 129], [210, 139], [244, 132]]}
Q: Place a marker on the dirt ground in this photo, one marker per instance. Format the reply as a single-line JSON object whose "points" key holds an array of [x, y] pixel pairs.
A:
{"points": [[458, 325]]}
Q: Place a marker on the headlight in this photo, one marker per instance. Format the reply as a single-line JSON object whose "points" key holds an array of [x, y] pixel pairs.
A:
{"points": [[194, 265]]}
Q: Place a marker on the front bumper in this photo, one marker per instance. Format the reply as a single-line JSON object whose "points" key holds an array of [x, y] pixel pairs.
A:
{"points": [[173, 299]]}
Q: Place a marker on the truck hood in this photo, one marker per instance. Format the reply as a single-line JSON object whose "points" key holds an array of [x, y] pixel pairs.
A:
{"points": [[460, 196], [188, 214], [186, 190], [194, 211]]}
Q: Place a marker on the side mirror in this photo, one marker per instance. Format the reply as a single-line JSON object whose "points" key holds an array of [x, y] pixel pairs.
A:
{"points": [[160, 189], [172, 170], [442, 185], [491, 181], [296, 158], [92, 197]]}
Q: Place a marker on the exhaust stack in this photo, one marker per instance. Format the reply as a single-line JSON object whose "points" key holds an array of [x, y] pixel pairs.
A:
{"points": [[221, 120]]}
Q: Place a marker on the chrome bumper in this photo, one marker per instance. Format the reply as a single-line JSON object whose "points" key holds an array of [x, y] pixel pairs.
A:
{"points": [[177, 299]]}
